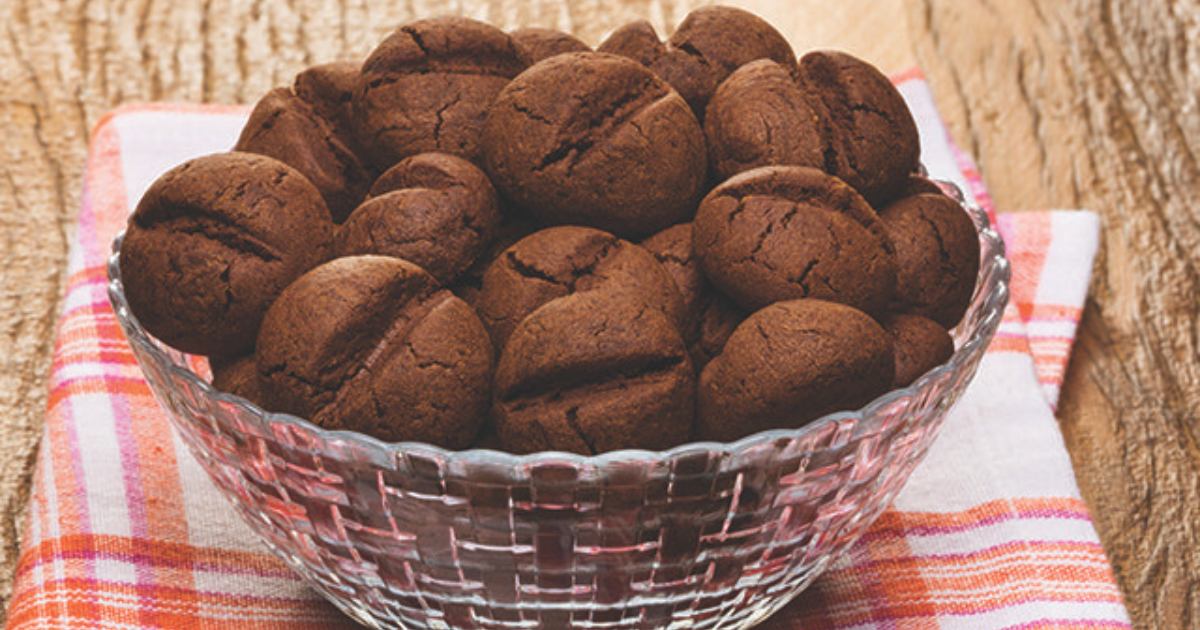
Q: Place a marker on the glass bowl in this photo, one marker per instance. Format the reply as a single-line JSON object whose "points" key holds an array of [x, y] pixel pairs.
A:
{"points": [[705, 535]]}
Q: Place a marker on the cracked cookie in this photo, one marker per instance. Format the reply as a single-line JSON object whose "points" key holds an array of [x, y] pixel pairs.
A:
{"points": [[598, 140], [708, 45], [373, 344], [761, 116], [427, 86], [872, 134], [839, 114], [238, 377], [921, 344], [708, 317], [211, 244], [560, 261], [593, 372], [433, 209], [786, 232], [791, 363], [536, 44], [937, 257], [289, 129]]}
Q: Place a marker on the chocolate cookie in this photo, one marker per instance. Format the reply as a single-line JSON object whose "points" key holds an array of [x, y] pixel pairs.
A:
{"points": [[761, 116], [329, 88], [787, 232], [536, 44], [838, 114], [238, 377], [593, 372], [434, 209], [213, 242], [709, 318], [707, 47], [937, 256], [789, 364], [559, 261], [372, 344], [921, 344], [427, 86], [599, 140], [870, 132], [287, 128]]}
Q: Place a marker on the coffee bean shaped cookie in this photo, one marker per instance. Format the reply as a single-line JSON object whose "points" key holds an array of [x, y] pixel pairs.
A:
{"points": [[789, 364], [761, 116], [329, 88], [871, 134], [287, 128], [598, 140], [921, 344], [839, 114], [434, 209], [213, 242], [787, 232], [707, 47], [373, 344], [238, 377], [937, 256], [560, 261], [536, 44], [594, 372], [709, 317], [427, 86]]}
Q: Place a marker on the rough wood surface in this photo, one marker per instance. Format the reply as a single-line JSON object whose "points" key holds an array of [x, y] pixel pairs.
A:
{"points": [[1072, 103]]}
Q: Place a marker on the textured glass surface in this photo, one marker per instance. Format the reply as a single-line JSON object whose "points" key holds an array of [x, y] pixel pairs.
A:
{"points": [[705, 535]]}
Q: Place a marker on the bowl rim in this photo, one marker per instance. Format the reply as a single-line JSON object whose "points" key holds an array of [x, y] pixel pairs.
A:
{"points": [[995, 261]]}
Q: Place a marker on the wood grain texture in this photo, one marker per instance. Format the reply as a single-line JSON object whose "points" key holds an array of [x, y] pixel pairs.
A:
{"points": [[1094, 104], [1066, 103]]}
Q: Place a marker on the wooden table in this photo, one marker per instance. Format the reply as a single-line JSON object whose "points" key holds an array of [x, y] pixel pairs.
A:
{"points": [[1067, 103]]}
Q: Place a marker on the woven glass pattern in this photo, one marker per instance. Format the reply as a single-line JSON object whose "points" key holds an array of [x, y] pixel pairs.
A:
{"points": [[705, 535]]}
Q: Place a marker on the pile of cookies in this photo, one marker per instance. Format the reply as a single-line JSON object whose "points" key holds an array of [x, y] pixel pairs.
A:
{"points": [[509, 240]]}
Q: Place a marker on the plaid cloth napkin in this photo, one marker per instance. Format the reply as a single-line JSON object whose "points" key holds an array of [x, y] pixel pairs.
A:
{"points": [[126, 531]]}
